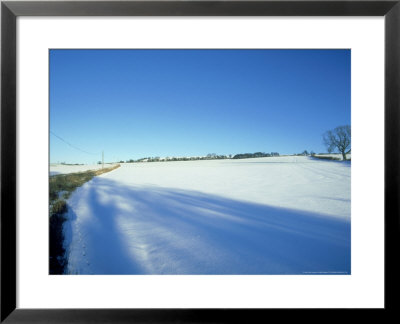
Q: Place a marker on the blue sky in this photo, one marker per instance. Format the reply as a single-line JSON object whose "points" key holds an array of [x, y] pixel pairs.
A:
{"points": [[140, 103]]}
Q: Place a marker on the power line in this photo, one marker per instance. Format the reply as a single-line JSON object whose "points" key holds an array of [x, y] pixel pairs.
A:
{"points": [[73, 146]]}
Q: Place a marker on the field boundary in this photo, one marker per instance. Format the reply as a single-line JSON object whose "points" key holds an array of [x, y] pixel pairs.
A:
{"points": [[61, 187], [331, 158]]}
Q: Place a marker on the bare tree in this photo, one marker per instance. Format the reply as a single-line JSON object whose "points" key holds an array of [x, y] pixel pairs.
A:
{"points": [[338, 139]]}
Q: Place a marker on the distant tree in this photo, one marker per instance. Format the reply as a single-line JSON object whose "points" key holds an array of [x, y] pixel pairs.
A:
{"points": [[305, 152], [338, 139]]}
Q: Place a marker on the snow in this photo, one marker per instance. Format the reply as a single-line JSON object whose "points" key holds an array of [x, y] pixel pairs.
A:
{"points": [[274, 215], [69, 168]]}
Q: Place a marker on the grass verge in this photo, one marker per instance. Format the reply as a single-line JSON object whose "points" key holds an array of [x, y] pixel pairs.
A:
{"points": [[60, 188], [333, 158]]}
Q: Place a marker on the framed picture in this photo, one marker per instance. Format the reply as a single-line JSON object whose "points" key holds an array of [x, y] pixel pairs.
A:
{"points": [[238, 130]]}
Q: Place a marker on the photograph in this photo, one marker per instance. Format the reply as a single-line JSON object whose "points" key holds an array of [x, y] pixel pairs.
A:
{"points": [[199, 161]]}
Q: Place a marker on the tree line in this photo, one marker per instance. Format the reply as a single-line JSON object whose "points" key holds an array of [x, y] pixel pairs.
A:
{"points": [[255, 155], [210, 156]]}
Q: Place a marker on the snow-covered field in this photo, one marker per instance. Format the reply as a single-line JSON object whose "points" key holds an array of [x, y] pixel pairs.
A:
{"points": [[68, 168], [277, 215]]}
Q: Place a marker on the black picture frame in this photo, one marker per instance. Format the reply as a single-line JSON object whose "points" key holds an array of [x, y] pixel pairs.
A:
{"points": [[10, 10]]}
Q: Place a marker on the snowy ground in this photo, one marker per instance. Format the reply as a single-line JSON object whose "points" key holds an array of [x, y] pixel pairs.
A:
{"points": [[280, 215], [67, 168]]}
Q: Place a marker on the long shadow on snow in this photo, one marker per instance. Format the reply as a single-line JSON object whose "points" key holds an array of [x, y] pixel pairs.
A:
{"points": [[164, 230], [97, 243]]}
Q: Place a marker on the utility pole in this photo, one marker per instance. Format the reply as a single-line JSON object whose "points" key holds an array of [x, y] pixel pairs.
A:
{"points": [[102, 159]]}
